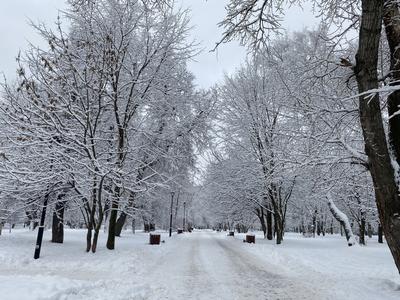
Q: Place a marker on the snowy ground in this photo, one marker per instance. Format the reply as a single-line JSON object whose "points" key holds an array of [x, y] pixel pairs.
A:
{"points": [[200, 265]]}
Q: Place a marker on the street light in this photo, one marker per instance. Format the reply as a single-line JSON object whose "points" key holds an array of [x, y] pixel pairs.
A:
{"points": [[170, 214], [184, 215]]}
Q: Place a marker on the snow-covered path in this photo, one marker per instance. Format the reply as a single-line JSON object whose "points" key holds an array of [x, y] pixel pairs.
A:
{"points": [[211, 266], [199, 265]]}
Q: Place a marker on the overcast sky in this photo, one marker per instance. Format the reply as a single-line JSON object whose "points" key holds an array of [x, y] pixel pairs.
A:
{"points": [[208, 68]]}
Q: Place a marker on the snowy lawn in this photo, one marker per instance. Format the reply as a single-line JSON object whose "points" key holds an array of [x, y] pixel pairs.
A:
{"points": [[357, 272], [201, 265]]}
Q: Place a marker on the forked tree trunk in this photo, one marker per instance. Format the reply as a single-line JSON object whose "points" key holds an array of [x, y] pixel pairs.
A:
{"points": [[380, 166]]}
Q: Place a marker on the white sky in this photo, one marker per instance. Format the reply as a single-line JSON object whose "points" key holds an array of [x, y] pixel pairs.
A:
{"points": [[208, 68]]}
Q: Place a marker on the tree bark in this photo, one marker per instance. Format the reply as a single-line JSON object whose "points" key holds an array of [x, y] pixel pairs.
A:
{"points": [[391, 21], [380, 166]]}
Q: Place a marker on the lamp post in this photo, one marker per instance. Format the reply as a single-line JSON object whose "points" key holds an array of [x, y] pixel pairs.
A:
{"points": [[170, 214], [184, 216], [41, 228]]}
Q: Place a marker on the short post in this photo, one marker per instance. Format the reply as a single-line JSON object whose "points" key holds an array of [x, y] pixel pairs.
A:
{"points": [[170, 214]]}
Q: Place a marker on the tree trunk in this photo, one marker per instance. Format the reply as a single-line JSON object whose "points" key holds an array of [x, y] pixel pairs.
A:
{"points": [[133, 225], [369, 228], [362, 231], [380, 234], [97, 231], [120, 223], [263, 225], [261, 216], [314, 223], [343, 220], [269, 224], [112, 225], [57, 229], [380, 166], [89, 238], [279, 227], [391, 20], [122, 217]]}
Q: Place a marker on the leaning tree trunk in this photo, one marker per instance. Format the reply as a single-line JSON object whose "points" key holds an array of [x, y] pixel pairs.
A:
{"points": [[97, 231], [120, 223], [122, 217], [57, 229], [380, 166], [343, 220]]}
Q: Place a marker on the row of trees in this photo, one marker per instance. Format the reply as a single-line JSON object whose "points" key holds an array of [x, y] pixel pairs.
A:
{"points": [[105, 121], [304, 90]]}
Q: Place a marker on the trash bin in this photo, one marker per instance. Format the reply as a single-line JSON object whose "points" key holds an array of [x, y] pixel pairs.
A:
{"points": [[155, 239], [250, 238]]}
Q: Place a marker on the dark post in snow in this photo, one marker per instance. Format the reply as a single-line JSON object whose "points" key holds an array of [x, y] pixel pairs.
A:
{"points": [[170, 214], [41, 228], [184, 215]]}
